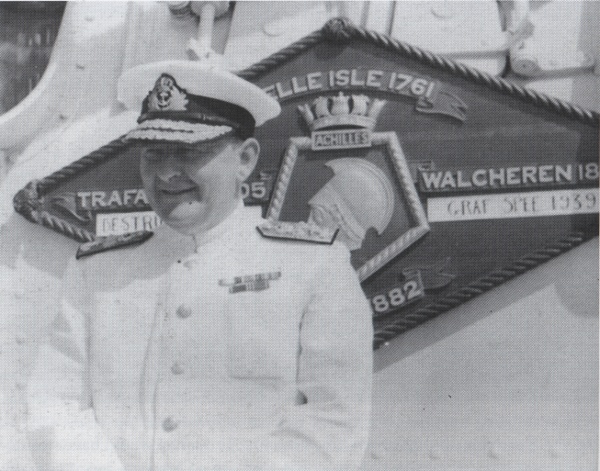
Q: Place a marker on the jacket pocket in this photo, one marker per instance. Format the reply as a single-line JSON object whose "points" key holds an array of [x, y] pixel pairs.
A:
{"points": [[261, 338]]}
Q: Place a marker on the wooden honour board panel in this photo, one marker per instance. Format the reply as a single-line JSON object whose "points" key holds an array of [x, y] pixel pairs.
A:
{"points": [[446, 181]]}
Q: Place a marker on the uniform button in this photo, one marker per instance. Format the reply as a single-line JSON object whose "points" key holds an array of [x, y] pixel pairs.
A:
{"points": [[183, 311], [169, 424], [176, 368]]}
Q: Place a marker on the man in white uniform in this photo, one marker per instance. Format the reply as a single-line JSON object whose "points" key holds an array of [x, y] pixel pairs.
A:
{"points": [[207, 346]]}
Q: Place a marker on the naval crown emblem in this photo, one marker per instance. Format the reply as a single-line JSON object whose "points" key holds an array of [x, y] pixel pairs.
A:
{"points": [[342, 111]]}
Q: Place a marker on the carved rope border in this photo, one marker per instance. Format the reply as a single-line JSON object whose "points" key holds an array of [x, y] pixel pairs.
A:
{"points": [[285, 174], [28, 201], [485, 283], [407, 187], [341, 30]]}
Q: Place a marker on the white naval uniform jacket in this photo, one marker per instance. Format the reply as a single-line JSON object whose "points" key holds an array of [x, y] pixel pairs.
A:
{"points": [[154, 364]]}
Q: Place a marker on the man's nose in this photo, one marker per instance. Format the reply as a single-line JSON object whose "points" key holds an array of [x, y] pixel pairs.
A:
{"points": [[168, 168]]}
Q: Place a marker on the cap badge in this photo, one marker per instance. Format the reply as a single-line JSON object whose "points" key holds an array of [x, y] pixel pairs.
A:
{"points": [[167, 96]]}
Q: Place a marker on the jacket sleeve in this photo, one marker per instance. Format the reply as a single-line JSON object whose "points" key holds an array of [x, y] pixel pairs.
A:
{"points": [[329, 431], [63, 431]]}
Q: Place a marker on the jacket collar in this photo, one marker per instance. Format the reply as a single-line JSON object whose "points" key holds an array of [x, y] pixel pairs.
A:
{"points": [[235, 223]]}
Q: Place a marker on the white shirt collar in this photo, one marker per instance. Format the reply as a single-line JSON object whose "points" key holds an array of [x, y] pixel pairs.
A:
{"points": [[220, 230]]}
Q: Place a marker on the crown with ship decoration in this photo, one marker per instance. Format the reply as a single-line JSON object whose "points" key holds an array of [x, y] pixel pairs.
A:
{"points": [[342, 111]]}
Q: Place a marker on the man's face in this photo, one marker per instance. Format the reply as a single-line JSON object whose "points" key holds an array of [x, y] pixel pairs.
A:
{"points": [[192, 187]]}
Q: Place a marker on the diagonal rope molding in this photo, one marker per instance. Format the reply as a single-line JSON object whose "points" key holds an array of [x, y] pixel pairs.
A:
{"points": [[28, 201], [342, 30], [85, 163], [480, 286]]}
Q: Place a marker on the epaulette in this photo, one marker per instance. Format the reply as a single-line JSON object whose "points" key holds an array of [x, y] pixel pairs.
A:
{"points": [[297, 231], [102, 244]]}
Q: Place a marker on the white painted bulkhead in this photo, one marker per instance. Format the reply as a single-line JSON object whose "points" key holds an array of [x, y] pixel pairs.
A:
{"points": [[507, 381]]}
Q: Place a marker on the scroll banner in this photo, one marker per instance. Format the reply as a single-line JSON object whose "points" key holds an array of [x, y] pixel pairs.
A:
{"points": [[430, 94]]}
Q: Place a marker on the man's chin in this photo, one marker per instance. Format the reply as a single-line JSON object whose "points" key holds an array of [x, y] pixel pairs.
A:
{"points": [[187, 218]]}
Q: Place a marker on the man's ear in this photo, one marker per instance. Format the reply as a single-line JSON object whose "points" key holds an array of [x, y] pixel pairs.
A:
{"points": [[249, 151]]}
